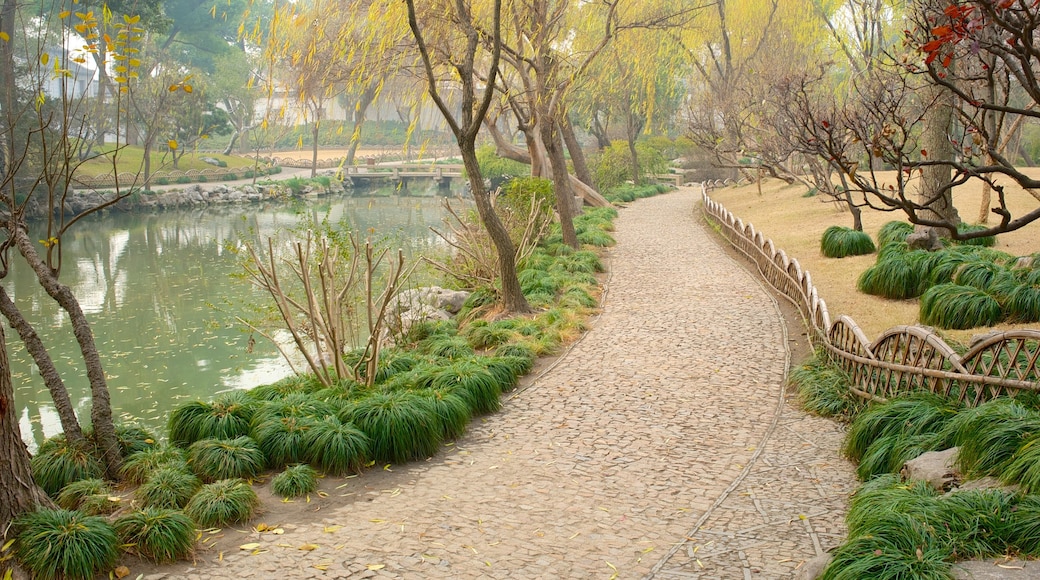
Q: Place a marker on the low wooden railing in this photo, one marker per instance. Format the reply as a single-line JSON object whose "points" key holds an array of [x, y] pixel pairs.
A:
{"points": [[903, 359]]}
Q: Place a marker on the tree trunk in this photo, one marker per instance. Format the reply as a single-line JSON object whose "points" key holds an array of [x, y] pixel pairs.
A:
{"points": [[513, 299], [314, 148], [42, 358], [18, 492], [561, 179], [935, 194], [101, 406], [581, 166], [231, 142], [360, 116]]}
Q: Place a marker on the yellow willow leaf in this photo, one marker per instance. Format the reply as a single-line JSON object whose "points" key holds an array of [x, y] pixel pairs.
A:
{"points": [[173, 88], [251, 546], [45, 58], [172, 144], [64, 14], [188, 89], [121, 80], [309, 547], [120, 69], [9, 574], [332, 529], [6, 38], [376, 566], [213, 11], [7, 545], [135, 62], [131, 19]]}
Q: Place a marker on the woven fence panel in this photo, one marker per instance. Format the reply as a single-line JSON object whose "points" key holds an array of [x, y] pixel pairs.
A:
{"points": [[903, 359]]}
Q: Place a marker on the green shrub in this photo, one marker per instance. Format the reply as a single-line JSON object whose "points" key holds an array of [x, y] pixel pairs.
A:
{"points": [[230, 176], [182, 179], [161, 535], [989, 436], [444, 346], [133, 439], [985, 241], [1022, 303], [168, 487], [838, 242], [161, 181], [897, 276], [282, 439], [90, 496], [401, 425], [473, 382], [825, 388], [137, 467], [65, 544], [336, 447], [894, 231], [213, 459], [228, 501], [951, 306], [451, 409], [295, 481], [59, 463], [292, 384], [919, 414], [227, 417], [486, 335]]}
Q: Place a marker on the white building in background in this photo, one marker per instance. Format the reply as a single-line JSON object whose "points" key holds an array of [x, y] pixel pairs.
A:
{"points": [[82, 81]]}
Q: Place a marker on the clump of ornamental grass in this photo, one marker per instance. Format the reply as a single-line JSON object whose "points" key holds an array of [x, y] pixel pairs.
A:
{"points": [[952, 306], [978, 523], [824, 388], [213, 459], [401, 425], [919, 414], [1025, 526], [336, 446], [133, 439], [538, 282], [894, 231], [474, 383], [520, 350], [59, 463], [577, 298], [1022, 303], [228, 501], [292, 384], [506, 371], [425, 329], [1023, 469], [582, 261], [138, 466], [984, 241], [990, 435], [161, 535], [840, 241], [168, 487], [298, 405], [65, 544], [282, 439], [227, 417], [596, 237], [484, 335], [891, 250], [451, 409], [980, 274], [888, 453], [90, 496], [897, 276], [446, 346], [394, 361], [295, 481], [898, 547]]}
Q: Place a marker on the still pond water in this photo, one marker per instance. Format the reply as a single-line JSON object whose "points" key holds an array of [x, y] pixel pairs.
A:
{"points": [[161, 294]]}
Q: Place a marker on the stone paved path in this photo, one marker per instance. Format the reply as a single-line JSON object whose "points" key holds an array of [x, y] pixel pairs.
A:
{"points": [[662, 446]]}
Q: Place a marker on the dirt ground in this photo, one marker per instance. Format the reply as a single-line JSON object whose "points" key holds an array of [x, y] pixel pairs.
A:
{"points": [[795, 224]]}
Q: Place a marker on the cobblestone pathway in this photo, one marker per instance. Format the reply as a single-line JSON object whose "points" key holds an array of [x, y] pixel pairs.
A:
{"points": [[662, 446]]}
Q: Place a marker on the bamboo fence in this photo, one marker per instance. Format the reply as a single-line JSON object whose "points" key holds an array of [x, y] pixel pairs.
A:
{"points": [[903, 359]]}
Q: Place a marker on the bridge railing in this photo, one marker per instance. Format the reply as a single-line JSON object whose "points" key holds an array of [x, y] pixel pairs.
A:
{"points": [[903, 359]]}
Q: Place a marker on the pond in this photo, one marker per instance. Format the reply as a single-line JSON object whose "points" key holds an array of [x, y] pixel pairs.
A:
{"points": [[161, 294]]}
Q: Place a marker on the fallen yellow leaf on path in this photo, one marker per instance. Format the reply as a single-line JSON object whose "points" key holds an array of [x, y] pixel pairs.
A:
{"points": [[121, 572], [376, 566], [309, 547], [251, 546]]}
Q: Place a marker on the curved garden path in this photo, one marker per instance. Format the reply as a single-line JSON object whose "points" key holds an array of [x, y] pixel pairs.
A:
{"points": [[661, 446]]}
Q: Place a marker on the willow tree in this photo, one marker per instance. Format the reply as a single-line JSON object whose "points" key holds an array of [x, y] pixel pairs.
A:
{"points": [[324, 51]]}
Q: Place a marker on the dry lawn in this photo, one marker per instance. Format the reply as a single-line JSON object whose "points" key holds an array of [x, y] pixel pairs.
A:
{"points": [[796, 223]]}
